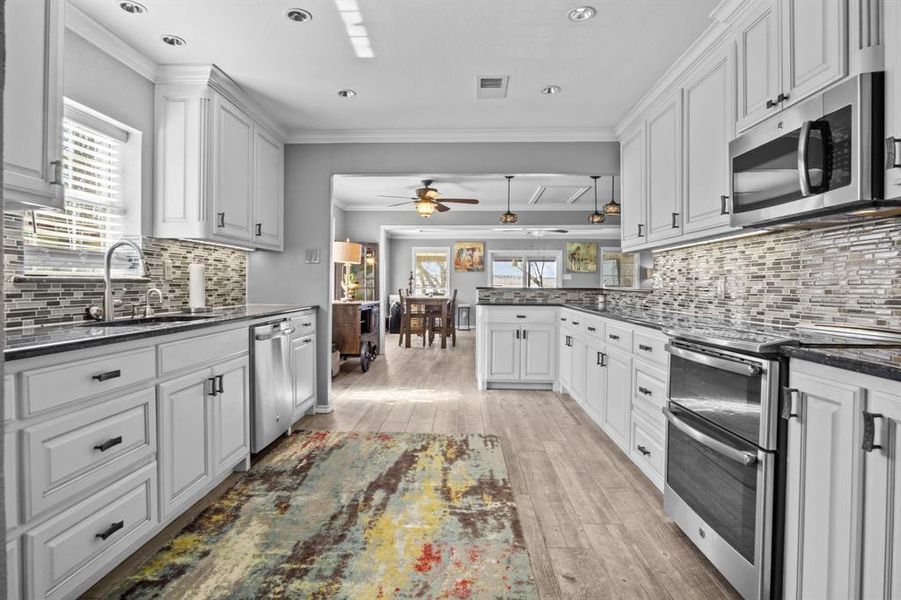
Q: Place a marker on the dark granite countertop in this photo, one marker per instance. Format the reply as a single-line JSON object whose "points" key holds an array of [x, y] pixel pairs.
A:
{"points": [[27, 342], [874, 359]]}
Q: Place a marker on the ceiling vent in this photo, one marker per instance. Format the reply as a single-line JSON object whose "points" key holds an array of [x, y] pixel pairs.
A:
{"points": [[557, 194], [491, 87]]}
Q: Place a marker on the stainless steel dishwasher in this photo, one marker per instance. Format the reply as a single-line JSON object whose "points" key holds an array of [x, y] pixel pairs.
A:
{"points": [[273, 384]]}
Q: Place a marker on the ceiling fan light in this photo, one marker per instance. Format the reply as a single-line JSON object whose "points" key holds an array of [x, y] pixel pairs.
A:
{"points": [[596, 218], [424, 208]]}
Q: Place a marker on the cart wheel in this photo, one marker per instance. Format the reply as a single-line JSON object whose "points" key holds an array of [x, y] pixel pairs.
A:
{"points": [[374, 351], [365, 356]]}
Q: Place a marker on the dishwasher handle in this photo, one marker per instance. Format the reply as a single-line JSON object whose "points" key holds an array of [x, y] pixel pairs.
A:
{"points": [[262, 337]]}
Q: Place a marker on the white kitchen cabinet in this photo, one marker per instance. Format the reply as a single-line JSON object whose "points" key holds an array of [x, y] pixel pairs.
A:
{"points": [[565, 360], [303, 363], [577, 380], [595, 381], [13, 570], [504, 359], [814, 46], [233, 183], [618, 397], [822, 485], [758, 65], [664, 172], [219, 170], [892, 43], [633, 223], [33, 104], [230, 414], [268, 190], [537, 351], [186, 464], [709, 122], [881, 544]]}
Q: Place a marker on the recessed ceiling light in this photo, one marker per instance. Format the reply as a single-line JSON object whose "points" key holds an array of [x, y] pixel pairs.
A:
{"points": [[298, 14], [550, 90], [134, 8], [582, 13], [347, 93], [173, 40]]}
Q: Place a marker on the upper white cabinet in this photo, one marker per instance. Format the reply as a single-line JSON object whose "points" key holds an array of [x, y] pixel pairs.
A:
{"points": [[632, 181], [758, 63], [709, 122], [892, 16], [219, 166], [33, 104], [664, 178], [788, 50]]}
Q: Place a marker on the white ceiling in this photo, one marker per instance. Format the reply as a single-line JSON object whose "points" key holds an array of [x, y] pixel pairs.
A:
{"points": [[551, 192], [428, 54]]}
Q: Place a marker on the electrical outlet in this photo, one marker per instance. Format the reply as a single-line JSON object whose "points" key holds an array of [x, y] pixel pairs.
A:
{"points": [[168, 275]]}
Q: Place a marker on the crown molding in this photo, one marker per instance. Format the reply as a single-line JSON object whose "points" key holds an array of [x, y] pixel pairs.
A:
{"points": [[410, 136], [517, 208], [723, 16], [84, 26]]}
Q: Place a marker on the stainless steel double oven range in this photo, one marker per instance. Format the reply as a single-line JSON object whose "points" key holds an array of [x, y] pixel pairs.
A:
{"points": [[725, 452]]}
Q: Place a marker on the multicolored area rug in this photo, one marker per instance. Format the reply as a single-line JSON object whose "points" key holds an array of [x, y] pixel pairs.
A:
{"points": [[353, 515]]}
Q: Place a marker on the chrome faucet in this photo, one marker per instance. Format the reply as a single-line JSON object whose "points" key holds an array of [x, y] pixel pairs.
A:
{"points": [[108, 305]]}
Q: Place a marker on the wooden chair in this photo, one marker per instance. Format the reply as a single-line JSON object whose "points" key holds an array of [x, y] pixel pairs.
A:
{"points": [[415, 320], [449, 326]]}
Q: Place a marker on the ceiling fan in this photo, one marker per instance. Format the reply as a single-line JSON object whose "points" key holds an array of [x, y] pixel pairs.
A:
{"points": [[428, 200]]}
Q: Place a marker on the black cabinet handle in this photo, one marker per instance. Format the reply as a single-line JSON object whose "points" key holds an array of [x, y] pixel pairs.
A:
{"points": [[569, 341], [108, 375], [770, 104], [724, 209], [788, 403], [525, 333], [640, 234], [306, 324], [259, 229], [644, 391], [575, 322], [869, 432], [111, 530], [592, 329], [212, 381], [563, 319], [675, 218], [520, 316], [645, 347], [306, 340], [602, 359], [613, 336], [220, 219], [109, 444], [517, 334], [781, 97], [220, 389], [643, 450]]}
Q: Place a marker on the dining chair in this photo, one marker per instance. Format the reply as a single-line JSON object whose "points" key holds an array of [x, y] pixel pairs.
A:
{"points": [[447, 326]]}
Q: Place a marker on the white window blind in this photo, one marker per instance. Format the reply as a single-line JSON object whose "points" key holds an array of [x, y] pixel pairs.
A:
{"points": [[73, 241]]}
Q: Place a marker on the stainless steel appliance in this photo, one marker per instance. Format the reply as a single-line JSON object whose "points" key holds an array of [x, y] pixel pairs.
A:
{"points": [[820, 160], [272, 402]]}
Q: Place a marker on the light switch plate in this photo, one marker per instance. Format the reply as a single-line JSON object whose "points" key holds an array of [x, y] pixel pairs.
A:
{"points": [[167, 270]]}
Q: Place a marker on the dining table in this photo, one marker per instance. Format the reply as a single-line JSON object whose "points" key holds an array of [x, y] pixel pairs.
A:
{"points": [[436, 305]]}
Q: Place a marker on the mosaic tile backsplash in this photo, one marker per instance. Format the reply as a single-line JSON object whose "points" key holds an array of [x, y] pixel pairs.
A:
{"points": [[846, 275], [34, 302], [487, 295]]}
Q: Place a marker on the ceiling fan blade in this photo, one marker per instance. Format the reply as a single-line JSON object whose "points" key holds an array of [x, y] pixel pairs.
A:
{"points": [[459, 200], [440, 207], [402, 203], [404, 197]]}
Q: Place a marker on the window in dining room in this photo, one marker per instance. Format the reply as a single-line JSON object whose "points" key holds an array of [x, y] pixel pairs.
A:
{"points": [[431, 271], [527, 269]]}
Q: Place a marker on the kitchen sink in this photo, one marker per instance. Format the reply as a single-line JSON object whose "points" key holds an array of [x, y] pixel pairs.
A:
{"points": [[155, 320]]}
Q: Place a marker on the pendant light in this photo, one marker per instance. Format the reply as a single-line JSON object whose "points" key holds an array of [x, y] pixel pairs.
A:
{"points": [[612, 208], [597, 217], [508, 218]]}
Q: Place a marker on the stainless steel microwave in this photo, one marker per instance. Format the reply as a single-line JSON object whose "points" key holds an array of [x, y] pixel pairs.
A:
{"points": [[821, 157]]}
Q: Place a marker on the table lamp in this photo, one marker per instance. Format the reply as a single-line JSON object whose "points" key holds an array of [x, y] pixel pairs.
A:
{"points": [[348, 253]]}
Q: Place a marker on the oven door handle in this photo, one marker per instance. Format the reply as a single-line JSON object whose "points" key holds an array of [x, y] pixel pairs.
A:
{"points": [[715, 361], [745, 458]]}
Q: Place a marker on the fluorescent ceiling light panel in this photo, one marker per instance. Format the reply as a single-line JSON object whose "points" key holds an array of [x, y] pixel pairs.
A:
{"points": [[353, 25]]}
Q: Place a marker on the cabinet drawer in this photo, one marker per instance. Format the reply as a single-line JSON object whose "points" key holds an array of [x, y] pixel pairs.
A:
{"points": [[9, 398], [649, 388], [184, 354], [72, 454], [619, 337], [68, 549], [647, 449], [58, 385], [305, 324], [592, 327], [649, 348], [522, 315]]}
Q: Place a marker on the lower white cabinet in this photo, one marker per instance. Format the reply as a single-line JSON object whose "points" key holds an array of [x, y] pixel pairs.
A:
{"points": [[186, 465], [565, 358], [231, 414], [618, 399], [577, 386], [516, 346], [13, 570], [303, 364], [537, 344], [503, 352], [595, 381]]}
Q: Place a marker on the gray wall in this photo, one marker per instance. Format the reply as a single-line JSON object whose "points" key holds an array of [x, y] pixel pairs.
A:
{"points": [[284, 277], [98, 81], [400, 262]]}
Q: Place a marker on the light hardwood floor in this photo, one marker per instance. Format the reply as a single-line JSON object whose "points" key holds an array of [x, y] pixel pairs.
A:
{"points": [[594, 525]]}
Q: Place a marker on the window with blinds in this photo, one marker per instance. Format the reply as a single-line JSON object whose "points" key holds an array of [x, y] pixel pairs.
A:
{"points": [[523, 269], [74, 241]]}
